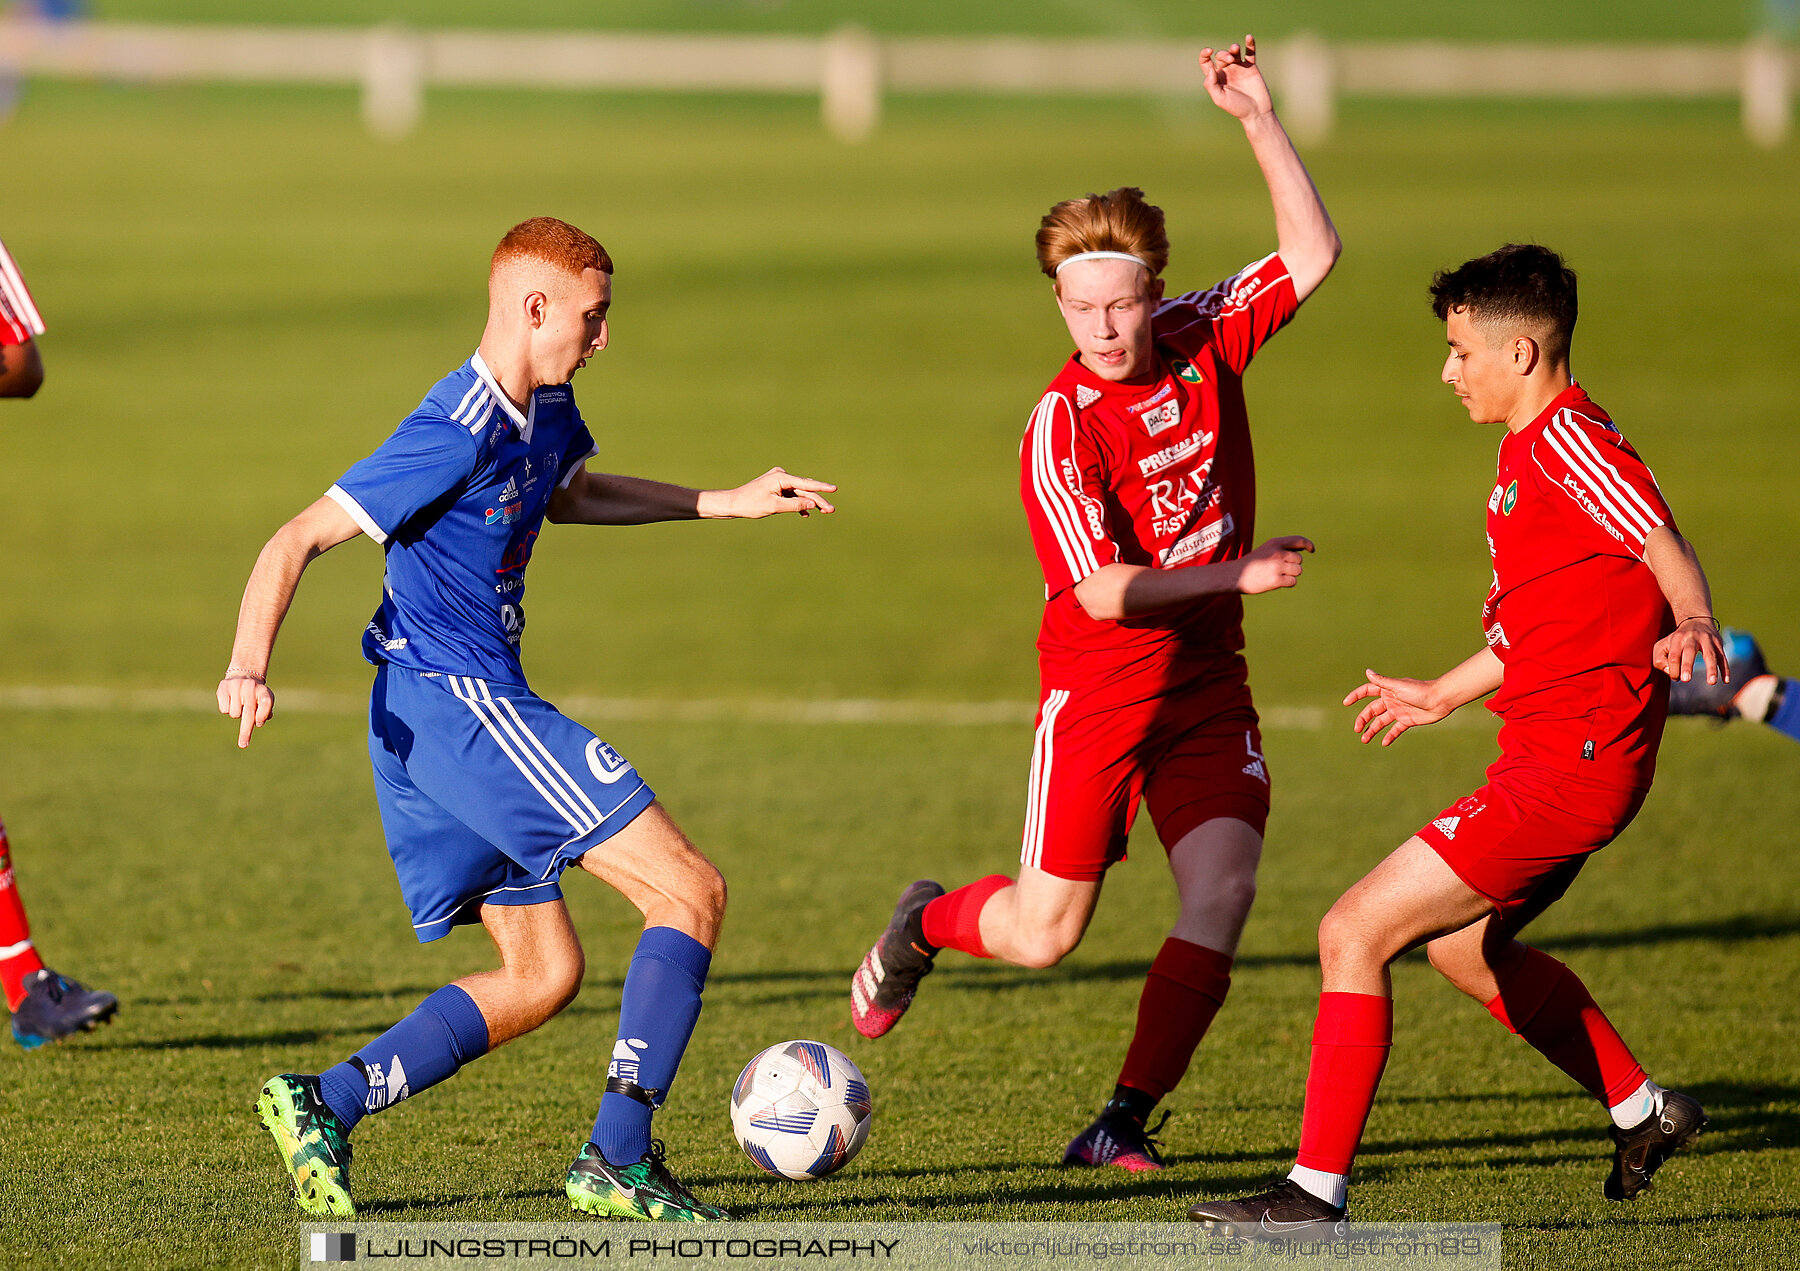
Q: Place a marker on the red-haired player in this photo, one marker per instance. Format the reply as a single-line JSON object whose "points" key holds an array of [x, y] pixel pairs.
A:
{"points": [[45, 1006], [1597, 603], [1138, 482]]}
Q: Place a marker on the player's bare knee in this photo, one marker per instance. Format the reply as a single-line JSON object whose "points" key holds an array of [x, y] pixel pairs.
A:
{"points": [[1046, 948]]}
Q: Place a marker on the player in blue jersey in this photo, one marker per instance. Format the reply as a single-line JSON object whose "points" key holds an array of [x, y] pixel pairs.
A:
{"points": [[487, 792]]}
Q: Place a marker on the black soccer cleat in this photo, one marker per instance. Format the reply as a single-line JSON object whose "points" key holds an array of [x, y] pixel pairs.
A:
{"points": [[1286, 1209], [1697, 697], [1118, 1138], [56, 1007], [884, 984], [1640, 1151]]}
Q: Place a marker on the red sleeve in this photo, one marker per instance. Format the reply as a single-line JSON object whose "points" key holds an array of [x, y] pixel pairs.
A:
{"points": [[1237, 316], [1602, 476], [19, 320], [1062, 482]]}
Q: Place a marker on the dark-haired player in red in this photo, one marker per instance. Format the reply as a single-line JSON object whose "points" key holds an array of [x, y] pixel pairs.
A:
{"points": [[1138, 482], [1597, 603], [45, 1006]]}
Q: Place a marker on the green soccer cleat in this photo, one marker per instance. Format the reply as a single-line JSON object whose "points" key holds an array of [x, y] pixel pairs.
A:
{"points": [[646, 1191], [313, 1143]]}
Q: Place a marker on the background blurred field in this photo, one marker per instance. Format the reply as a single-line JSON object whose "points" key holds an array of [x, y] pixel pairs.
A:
{"points": [[245, 293]]}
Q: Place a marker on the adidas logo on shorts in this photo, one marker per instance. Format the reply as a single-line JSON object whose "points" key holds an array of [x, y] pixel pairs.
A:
{"points": [[1446, 825]]}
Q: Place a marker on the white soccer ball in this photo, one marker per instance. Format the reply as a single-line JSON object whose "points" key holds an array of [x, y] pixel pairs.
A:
{"points": [[800, 1110]]}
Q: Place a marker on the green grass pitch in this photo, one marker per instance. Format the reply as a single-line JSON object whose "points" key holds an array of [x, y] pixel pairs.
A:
{"points": [[245, 293]]}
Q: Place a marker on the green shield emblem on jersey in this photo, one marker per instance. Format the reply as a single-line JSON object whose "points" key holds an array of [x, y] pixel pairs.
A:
{"points": [[1186, 370], [1511, 498]]}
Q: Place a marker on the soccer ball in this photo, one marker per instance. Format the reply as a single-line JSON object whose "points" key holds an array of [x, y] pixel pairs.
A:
{"points": [[800, 1110]]}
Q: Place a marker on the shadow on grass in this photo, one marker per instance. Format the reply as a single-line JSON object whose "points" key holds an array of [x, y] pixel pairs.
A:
{"points": [[997, 977], [240, 1041]]}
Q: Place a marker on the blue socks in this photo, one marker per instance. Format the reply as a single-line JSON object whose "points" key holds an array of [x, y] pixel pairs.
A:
{"points": [[1786, 719], [660, 1004], [428, 1046]]}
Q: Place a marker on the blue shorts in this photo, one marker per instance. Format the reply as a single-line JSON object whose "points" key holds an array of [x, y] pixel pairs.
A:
{"points": [[487, 793]]}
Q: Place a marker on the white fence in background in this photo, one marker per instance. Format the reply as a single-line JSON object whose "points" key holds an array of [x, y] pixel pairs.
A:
{"points": [[851, 71]]}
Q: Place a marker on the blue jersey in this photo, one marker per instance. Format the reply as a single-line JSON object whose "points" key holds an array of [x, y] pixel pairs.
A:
{"points": [[456, 497]]}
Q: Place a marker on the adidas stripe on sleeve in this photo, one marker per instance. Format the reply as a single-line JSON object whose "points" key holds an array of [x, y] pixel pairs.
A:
{"points": [[1599, 472], [1063, 494], [19, 318]]}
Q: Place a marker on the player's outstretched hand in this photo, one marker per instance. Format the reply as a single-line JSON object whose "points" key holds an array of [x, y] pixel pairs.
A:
{"points": [[1692, 645], [1275, 564], [247, 700], [1399, 702], [777, 490], [1234, 81]]}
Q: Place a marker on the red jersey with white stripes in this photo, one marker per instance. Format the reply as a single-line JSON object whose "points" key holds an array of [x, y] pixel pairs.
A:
{"points": [[1159, 473], [1574, 611], [19, 320]]}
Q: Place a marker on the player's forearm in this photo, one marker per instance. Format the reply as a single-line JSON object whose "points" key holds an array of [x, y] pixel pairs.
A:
{"points": [[1120, 591], [1304, 234], [1469, 680], [267, 596], [1672, 560], [608, 499]]}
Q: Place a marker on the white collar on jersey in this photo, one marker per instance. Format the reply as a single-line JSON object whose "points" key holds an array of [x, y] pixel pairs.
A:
{"points": [[524, 421]]}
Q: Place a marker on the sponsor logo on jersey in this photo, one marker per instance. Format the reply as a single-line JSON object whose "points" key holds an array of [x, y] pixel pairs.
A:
{"points": [[517, 555], [1085, 396], [1446, 825], [1496, 637], [510, 507], [1187, 371], [1204, 539], [607, 764], [1072, 479], [1177, 502], [1494, 498], [1592, 508], [1510, 499], [1138, 408], [1161, 419], [1174, 454]]}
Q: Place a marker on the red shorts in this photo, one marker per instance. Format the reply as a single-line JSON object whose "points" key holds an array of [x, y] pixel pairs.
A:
{"points": [[1520, 840], [1191, 757]]}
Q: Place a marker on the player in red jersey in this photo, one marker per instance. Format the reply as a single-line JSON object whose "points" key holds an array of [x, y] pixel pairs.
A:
{"points": [[45, 1006], [1138, 483], [1597, 603]]}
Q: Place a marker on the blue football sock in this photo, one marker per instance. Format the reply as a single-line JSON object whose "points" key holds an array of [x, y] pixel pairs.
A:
{"points": [[1787, 718], [659, 1005], [428, 1046]]}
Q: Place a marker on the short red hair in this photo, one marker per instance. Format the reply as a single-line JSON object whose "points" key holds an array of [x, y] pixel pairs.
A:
{"points": [[1117, 221], [555, 243]]}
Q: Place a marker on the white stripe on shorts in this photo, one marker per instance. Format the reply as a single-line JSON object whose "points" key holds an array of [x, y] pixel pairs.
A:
{"points": [[470, 690], [1037, 797]]}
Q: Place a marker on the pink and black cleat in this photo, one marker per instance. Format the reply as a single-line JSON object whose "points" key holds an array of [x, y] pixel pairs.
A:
{"points": [[1117, 1139], [884, 984]]}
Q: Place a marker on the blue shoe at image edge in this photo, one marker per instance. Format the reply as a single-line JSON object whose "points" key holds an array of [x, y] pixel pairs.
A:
{"points": [[56, 1007]]}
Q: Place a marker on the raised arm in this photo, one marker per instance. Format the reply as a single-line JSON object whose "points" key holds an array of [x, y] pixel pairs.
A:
{"points": [[1304, 235], [1407, 703], [599, 498], [1696, 636], [244, 692]]}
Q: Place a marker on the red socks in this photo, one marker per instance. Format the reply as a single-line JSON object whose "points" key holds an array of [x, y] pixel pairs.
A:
{"points": [[1351, 1041], [1546, 1004], [953, 921], [1184, 990], [17, 958]]}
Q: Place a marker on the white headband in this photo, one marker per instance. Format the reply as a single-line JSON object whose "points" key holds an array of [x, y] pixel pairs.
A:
{"points": [[1136, 260]]}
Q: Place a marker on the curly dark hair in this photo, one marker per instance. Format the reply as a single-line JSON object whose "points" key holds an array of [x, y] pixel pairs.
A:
{"points": [[1521, 284]]}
